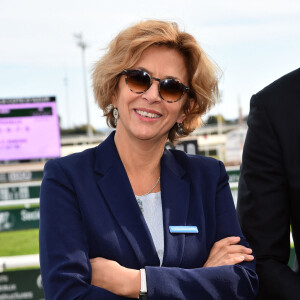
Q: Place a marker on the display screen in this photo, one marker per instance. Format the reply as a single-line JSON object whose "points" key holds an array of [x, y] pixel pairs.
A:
{"points": [[29, 129]]}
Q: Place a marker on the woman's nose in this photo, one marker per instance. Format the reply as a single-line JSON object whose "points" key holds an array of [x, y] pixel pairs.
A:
{"points": [[152, 94]]}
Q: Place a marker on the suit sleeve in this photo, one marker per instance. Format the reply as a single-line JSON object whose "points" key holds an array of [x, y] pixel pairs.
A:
{"points": [[263, 206], [224, 282], [65, 266]]}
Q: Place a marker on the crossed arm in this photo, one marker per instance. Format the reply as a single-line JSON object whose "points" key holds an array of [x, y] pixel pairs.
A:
{"points": [[111, 276], [69, 274]]}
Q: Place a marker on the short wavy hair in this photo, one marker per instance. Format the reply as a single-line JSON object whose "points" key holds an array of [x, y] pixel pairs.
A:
{"points": [[126, 49]]}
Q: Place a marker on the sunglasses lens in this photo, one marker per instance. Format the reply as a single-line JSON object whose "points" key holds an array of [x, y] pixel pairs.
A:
{"points": [[138, 81], [171, 90]]}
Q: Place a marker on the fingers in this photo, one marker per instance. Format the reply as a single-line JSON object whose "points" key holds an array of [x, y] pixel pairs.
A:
{"points": [[232, 240], [237, 249], [249, 257], [228, 252], [234, 260], [227, 259], [229, 245]]}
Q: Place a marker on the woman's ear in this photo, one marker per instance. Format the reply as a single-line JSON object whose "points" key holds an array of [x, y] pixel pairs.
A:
{"points": [[184, 111], [181, 117]]}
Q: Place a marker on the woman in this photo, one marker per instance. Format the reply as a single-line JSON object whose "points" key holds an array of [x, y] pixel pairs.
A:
{"points": [[107, 213]]}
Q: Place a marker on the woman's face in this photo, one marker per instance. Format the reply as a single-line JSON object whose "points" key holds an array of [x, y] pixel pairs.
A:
{"points": [[146, 116]]}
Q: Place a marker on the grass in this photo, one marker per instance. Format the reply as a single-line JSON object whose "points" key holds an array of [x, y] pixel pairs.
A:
{"points": [[20, 242]]}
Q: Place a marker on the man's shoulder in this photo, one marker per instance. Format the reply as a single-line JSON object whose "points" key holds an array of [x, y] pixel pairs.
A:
{"points": [[281, 97], [287, 84]]}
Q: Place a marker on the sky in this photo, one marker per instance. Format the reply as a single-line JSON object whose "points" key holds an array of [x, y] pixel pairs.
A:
{"points": [[253, 42]]}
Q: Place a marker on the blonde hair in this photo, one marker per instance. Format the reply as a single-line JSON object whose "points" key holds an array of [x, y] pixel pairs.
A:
{"points": [[126, 49]]}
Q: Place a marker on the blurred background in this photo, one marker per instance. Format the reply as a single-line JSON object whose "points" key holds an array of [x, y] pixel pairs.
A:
{"points": [[47, 53]]}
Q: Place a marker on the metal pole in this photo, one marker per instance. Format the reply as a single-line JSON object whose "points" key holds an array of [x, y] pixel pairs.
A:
{"points": [[83, 46], [66, 82]]}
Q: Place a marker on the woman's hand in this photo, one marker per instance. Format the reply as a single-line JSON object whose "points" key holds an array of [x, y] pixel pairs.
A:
{"points": [[111, 276], [227, 252]]}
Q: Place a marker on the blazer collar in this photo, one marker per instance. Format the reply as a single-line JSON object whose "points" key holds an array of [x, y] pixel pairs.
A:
{"points": [[115, 186], [175, 194]]}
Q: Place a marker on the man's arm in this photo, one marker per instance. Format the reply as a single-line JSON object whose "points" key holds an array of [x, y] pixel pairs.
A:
{"points": [[264, 206]]}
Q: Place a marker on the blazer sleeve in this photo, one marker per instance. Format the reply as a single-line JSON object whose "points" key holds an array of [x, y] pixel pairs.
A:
{"points": [[263, 205], [65, 266], [224, 282]]}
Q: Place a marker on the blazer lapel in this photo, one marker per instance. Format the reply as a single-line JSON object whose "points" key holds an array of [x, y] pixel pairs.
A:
{"points": [[175, 201], [117, 192]]}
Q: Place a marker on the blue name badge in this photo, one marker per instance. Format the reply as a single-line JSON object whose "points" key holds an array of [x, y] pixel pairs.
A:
{"points": [[183, 229]]}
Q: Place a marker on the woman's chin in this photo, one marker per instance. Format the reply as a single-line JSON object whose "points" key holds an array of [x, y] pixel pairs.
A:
{"points": [[150, 136]]}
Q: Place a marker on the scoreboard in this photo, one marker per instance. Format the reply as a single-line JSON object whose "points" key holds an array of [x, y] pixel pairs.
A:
{"points": [[29, 129]]}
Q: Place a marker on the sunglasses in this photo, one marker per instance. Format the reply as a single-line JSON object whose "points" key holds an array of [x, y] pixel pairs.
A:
{"points": [[169, 89]]}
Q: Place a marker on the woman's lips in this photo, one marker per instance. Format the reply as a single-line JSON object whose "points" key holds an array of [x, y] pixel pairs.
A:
{"points": [[148, 113]]}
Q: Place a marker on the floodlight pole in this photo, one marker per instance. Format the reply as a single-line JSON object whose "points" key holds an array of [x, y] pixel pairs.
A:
{"points": [[66, 83], [81, 43]]}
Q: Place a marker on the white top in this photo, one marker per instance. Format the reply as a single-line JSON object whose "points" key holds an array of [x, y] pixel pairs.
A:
{"points": [[152, 210]]}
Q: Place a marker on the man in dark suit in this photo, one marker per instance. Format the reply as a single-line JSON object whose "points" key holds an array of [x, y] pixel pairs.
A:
{"points": [[269, 188]]}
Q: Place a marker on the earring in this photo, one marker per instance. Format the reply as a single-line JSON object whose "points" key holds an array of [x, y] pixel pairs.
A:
{"points": [[180, 128], [116, 115]]}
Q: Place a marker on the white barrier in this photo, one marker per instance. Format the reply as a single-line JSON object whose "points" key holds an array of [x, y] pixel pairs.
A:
{"points": [[9, 262]]}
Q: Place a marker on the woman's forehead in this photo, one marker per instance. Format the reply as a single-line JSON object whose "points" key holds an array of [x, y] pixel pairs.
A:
{"points": [[163, 62]]}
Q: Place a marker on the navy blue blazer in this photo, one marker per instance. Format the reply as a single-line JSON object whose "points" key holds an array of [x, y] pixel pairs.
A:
{"points": [[88, 209]]}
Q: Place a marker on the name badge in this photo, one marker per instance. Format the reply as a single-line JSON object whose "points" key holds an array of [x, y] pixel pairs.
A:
{"points": [[183, 229]]}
